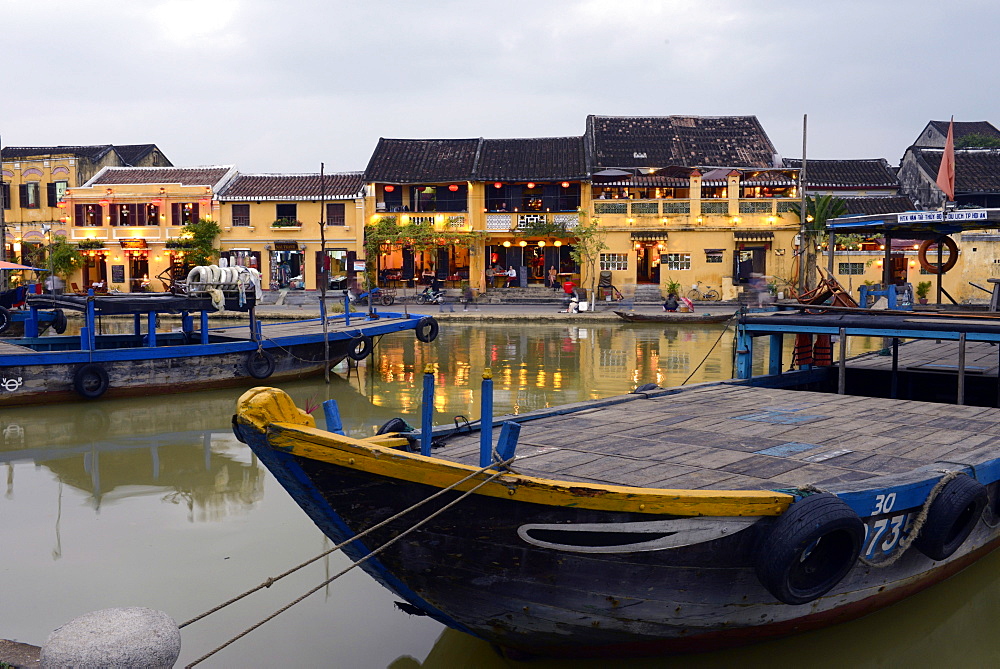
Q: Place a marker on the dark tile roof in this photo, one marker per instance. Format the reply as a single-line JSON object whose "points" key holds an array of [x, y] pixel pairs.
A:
{"points": [[772, 177], [185, 176], [91, 153], [535, 158], [691, 141], [888, 204], [866, 173], [976, 170], [132, 154], [422, 160], [963, 128], [293, 186]]}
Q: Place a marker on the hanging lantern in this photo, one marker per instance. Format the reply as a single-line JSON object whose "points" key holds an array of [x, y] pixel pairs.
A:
{"points": [[204, 203], [498, 185], [541, 243], [557, 243], [61, 204], [531, 184], [104, 203], [506, 245], [522, 243], [389, 188], [453, 187], [565, 184], [157, 202]]}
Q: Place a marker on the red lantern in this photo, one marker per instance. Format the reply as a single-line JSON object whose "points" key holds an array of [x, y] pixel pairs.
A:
{"points": [[531, 184], [104, 203], [498, 185], [565, 184], [389, 188], [61, 204], [157, 202], [204, 203], [453, 187]]}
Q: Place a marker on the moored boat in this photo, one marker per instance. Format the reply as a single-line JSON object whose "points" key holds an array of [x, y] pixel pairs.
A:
{"points": [[659, 521], [674, 317], [35, 369]]}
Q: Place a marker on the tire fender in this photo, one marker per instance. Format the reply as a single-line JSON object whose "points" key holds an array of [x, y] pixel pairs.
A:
{"points": [[953, 515], [5, 319], [91, 381], [808, 549], [59, 321], [361, 347], [427, 329], [197, 275], [259, 364], [394, 425], [933, 268]]}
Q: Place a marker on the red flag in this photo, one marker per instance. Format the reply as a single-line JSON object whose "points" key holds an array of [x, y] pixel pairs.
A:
{"points": [[946, 173]]}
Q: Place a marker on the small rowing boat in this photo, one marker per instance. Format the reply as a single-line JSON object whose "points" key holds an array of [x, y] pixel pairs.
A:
{"points": [[674, 317]]}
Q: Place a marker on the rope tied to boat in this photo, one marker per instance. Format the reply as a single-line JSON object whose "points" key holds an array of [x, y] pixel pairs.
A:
{"points": [[721, 335], [917, 525], [270, 581]]}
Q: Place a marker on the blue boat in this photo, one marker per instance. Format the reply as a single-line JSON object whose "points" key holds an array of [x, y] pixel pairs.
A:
{"points": [[36, 369]]}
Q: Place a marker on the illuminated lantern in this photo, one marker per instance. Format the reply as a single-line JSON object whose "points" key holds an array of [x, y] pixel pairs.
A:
{"points": [[565, 184], [453, 187], [104, 203], [204, 203], [157, 202], [389, 188], [531, 184], [557, 243], [506, 245], [522, 243], [498, 185], [61, 204], [541, 243]]}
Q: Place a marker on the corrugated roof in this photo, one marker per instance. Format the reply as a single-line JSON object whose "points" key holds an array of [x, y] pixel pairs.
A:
{"points": [[294, 186]]}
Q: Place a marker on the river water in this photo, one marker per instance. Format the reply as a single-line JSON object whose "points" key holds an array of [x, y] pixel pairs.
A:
{"points": [[152, 502]]}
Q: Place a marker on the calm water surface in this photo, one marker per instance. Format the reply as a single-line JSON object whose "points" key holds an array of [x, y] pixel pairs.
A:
{"points": [[152, 502]]}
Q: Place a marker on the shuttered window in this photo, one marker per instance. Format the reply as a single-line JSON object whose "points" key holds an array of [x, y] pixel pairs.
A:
{"points": [[335, 214]]}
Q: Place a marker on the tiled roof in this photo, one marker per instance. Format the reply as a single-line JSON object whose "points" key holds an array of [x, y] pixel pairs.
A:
{"points": [[535, 158], [976, 170], [293, 186], [773, 177], [91, 153], [422, 160], [866, 173], [963, 128], [888, 204], [185, 176], [132, 154], [691, 141]]}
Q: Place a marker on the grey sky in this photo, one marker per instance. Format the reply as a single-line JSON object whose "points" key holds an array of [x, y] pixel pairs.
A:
{"points": [[279, 86]]}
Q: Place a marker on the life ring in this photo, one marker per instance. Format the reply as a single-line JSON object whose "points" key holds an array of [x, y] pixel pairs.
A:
{"points": [[5, 319], [808, 549], [394, 425], [59, 321], [952, 517], [823, 351], [361, 347], [197, 275], [427, 329], [259, 364], [91, 381], [932, 268]]}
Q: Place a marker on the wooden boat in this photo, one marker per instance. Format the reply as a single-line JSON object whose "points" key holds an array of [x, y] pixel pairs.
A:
{"points": [[14, 313], [36, 369], [674, 317], [659, 521]]}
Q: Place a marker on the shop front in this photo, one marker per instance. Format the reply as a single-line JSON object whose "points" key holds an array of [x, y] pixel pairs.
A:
{"points": [[287, 266], [648, 247], [532, 260], [136, 252]]}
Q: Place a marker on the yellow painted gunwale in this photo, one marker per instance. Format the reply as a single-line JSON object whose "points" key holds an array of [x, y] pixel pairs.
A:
{"points": [[291, 430]]}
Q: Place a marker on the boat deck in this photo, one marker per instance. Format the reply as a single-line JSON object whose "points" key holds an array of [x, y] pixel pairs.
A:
{"points": [[294, 328], [731, 437], [928, 355]]}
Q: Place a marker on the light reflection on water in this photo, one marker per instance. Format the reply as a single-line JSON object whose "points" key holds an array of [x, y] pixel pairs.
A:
{"points": [[153, 502]]}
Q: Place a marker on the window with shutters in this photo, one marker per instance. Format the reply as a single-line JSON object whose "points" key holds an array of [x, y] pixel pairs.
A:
{"points": [[183, 213], [241, 215], [129, 215], [55, 192], [87, 215], [335, 213], [30, 195], [5, 194], [286, 213]]}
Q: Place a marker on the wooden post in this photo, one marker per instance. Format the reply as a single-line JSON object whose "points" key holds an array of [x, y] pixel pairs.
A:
{"points": [[774, 354], [204, 327], [940, 274], [486, 419], [427, 411], [961, 369], [332, 413], [842, 372]]}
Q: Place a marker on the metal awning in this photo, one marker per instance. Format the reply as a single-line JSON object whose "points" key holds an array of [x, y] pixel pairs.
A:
{"points": [[917, 224], [753, 236], [649, 236]]}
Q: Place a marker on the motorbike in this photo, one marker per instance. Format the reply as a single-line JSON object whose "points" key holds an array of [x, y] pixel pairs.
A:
{"points": [[429, 296]]}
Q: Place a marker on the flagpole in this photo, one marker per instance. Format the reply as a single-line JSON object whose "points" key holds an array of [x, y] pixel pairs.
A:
{"points": [[946, 182]]}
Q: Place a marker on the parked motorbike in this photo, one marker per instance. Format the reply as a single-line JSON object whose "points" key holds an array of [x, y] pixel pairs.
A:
{"points": [[429, 296]]}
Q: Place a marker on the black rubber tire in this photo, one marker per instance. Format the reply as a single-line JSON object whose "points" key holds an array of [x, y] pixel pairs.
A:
{"points": [[91, 381], [712, 295], [809, 548], [394, 425], [387, 300], [361, 347], [259, 364], [5, 319], [693, 295], [952, 517], [421, 298], [427, 329], [59, 321]]}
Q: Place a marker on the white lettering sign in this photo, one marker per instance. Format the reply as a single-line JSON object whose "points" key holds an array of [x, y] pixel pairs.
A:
{"points": [[968, 215], [920, 217]]}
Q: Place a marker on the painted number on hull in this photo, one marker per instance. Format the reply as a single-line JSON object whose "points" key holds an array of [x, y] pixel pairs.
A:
{"points": [[884, 503], [891, 528]]}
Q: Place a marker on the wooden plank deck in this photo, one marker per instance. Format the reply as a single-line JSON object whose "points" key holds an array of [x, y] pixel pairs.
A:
{"points": [[273, 330], [929, 355], [727, 437]]}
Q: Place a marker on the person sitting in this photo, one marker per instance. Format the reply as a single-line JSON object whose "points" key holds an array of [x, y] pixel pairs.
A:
{"points": [[670, 304]]}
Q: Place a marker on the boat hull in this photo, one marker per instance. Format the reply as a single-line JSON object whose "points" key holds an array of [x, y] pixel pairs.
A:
{"points": [[673, 317], [562, 580]]}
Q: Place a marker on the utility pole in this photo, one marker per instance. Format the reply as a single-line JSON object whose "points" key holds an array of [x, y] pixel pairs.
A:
{"points": [[803, 248], [324, 272], [3, 224]]}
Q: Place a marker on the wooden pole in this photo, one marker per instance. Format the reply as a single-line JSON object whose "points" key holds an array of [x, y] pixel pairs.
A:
{"points": [[961, 369], [323, 273], [802, 211], [3, 224], [842, 363]]}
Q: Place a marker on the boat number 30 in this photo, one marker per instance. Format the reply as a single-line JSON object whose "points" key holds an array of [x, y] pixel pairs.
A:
{"points": [[889, 530], [884, 503]]}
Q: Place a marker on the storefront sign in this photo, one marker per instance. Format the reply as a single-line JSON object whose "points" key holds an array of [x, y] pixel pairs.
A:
{"points": [[133, 243], [286, 246], [359, 265]]}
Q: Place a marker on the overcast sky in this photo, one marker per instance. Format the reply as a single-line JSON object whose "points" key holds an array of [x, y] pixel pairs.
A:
{"points": [[280, 86]]}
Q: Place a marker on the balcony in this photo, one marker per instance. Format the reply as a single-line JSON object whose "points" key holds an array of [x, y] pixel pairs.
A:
{"points": [[714, 213], [520, 221]]}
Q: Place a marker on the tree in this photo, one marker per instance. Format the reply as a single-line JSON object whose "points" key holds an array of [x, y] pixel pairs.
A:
{"points": [[202, 235], [587, 246], [976, 140], [819, 210]]}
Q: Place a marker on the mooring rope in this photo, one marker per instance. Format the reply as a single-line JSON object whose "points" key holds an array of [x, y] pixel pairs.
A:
{"points": [[370, 555], [375, 340], [721, 334], [917, 525]]}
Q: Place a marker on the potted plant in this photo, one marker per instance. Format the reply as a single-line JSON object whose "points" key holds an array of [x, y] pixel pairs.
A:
{"points": [[923, 288]]}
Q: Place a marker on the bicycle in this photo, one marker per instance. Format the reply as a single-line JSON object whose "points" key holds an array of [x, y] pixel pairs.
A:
{"points": [[708, 294]]}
